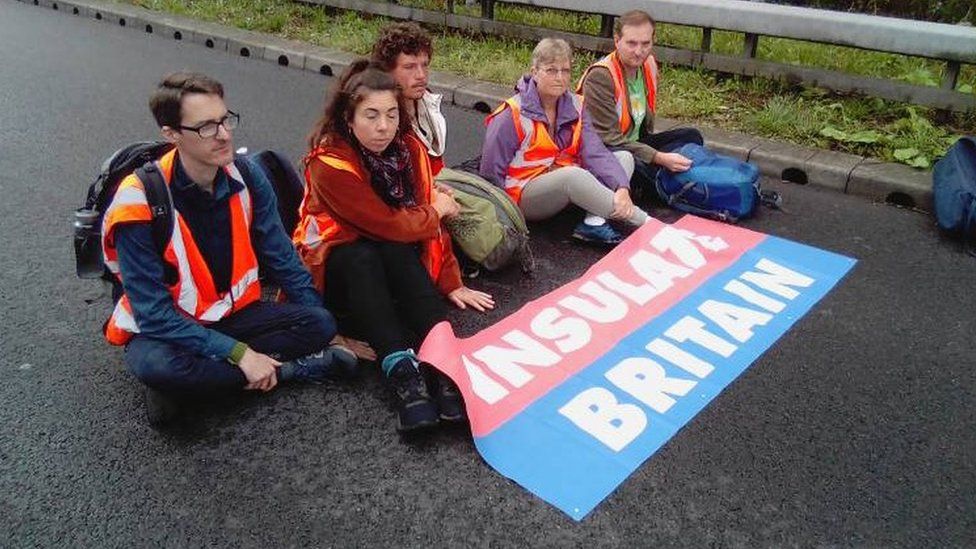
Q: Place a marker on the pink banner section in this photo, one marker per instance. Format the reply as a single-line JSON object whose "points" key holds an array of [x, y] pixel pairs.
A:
{"points": [[506, 367]]}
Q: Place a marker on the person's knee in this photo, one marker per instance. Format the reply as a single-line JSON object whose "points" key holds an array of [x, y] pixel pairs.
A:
{"points": [[355, 260], [155, 363], [397, 253], [321, 323], [626, 162]]}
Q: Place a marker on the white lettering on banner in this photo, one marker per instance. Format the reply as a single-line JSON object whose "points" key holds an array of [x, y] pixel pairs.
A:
{"points": [[776, 278], [608, 308], [737, 287], [568, 333], [497, 371], [680, 243], [691, 329], [571, 333], [680, 358], [657, 270], [507, 363], [597, 412], [737, 321], [646, 380], [486, 388], [638, 294]]}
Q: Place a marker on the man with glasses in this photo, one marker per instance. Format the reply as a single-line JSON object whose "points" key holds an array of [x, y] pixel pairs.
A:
{"points": [[620, 91], [191, 318]]}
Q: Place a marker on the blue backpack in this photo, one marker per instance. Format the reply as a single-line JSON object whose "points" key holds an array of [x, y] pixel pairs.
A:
{"points": [[715, 186], [954, 189]]}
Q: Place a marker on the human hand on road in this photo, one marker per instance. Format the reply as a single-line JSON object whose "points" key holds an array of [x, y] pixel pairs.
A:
{"points": [[260, 370], [623, 206], [464, 296], [672, 162], [445, 205]]}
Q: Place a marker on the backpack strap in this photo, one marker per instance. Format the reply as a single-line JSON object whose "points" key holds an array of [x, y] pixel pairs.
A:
{"points": [[160, 204]]}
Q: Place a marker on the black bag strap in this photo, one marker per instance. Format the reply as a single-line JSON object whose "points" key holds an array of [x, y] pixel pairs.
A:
{"points": [[160, 204]]}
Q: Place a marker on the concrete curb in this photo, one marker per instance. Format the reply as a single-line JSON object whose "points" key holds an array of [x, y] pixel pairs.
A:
{"points": [[851, 174]]}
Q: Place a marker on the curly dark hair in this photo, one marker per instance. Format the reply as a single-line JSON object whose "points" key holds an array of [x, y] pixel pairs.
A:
{"points": [[361, 76], [397, 38]]}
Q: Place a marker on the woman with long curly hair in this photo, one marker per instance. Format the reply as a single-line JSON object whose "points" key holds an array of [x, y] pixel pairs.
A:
{"points": [[371, 235]]}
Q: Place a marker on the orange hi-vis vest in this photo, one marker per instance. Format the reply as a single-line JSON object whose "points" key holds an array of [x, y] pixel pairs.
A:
{"points": [[194, 292], [622, 98], [537, 152], [313, 230]]}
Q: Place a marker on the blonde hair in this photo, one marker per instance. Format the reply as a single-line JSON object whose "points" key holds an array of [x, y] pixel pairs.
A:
{"points": [[550, 50]]}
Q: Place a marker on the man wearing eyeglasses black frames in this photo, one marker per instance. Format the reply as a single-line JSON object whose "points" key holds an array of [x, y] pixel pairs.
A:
{"points": [[192, 318]]}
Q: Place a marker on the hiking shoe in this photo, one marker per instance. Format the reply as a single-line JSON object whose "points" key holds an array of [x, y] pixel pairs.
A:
{"points": [[161, 408], [333, 363], [597, 234], [414, 407], [450, 405]]}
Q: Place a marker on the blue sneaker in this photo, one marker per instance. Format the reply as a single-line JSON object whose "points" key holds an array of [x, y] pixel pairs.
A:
{"points": [[597, 234], [415, 409], [333, 363]]}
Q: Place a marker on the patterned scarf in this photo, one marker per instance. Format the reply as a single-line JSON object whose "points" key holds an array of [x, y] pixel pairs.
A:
{"points": [[391, 174]]}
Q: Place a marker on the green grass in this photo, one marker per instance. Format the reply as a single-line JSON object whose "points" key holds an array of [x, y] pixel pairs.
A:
{"points": [[813, 117]]}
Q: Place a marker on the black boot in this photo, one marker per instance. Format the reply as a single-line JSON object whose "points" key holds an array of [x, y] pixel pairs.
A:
{"points": [[161, 408]]}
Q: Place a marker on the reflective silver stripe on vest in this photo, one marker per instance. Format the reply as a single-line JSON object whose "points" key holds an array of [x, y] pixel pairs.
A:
{"points": [[225, 304], [123, 319]]}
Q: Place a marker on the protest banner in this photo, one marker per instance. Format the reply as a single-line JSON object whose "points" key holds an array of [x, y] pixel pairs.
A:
{"points": [[571, 393]]}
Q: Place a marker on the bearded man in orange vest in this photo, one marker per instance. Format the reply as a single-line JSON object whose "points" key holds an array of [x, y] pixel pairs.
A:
{"points": [[621, 91], [191, 317]]}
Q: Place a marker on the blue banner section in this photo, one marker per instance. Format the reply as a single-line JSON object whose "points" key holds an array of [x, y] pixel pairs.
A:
{"points": [[576, 444]]}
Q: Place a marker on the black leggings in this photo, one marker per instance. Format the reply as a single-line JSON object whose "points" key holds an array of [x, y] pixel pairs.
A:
{"points": [[380, 292]]}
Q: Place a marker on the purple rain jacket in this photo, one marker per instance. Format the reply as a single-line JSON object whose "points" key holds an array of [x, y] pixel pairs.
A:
{"points": [[501, 142]]}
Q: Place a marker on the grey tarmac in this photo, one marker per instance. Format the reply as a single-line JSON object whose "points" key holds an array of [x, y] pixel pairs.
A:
{"points": [[855, 429]]}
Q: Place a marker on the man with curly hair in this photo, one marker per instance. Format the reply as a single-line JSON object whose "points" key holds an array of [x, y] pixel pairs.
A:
{"points": [[404, 50]]}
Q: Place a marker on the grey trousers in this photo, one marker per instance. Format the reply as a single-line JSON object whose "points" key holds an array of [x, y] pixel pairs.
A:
{"points": [[550, 193]]}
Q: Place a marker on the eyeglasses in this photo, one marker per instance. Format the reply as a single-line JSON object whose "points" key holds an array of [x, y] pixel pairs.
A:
{"points": [[553, 72], [209, 130]]}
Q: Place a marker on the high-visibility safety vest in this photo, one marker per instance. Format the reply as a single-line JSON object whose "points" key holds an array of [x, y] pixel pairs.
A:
{"points": [[537, 152], [194, 292], [314, 230], [622, 98]]}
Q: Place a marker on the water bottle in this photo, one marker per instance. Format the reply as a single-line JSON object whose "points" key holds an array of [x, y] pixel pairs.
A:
{"points": [[88, 245]]}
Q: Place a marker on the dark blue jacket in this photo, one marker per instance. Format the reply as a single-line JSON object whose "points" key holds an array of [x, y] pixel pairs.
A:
{"points": [[208, 217]]}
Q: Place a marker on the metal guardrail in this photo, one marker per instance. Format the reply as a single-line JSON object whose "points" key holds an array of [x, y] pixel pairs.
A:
{"points": [[954, 45]]}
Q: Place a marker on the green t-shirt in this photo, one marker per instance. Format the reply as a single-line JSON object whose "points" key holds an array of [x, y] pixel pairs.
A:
{"points": [[637, 92]]}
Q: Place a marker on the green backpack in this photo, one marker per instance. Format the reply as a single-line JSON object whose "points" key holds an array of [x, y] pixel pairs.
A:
{"points": [[490, 228]]}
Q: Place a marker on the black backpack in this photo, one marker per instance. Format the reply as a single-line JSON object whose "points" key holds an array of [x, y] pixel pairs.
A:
{"points": [[138, 158]]}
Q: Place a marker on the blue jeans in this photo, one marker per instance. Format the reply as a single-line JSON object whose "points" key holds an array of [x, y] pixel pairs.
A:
{"points": [[283, 331], [642, 182]]}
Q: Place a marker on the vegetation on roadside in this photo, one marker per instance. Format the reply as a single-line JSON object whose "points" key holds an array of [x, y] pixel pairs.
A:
{"points": [[867, 126]]}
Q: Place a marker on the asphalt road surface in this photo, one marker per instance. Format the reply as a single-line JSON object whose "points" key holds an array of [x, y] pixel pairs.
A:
{"points": [[855, 429]]}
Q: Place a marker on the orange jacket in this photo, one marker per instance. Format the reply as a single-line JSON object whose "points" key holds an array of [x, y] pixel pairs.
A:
{"points": [[340, 206], [194, 292], [611, 63]]}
